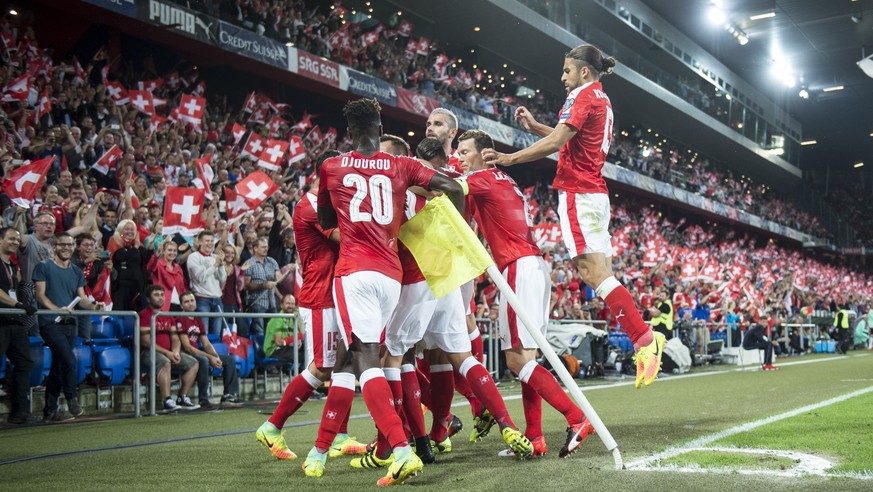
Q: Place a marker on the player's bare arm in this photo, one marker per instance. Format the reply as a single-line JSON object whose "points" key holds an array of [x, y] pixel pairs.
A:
{"points": [[542, 148], [531, 124], [450, 187], [327, 216]]}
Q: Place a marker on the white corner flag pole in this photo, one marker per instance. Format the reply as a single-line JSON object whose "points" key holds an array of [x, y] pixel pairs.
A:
{"points": [[559, 368]]}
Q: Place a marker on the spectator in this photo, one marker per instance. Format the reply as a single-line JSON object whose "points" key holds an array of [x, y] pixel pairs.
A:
{"points": [[168, 274], [14, 342], [128, 261], [756, 339], [260, 284], [231, 302], [662, 314], [169, 359], [207, 273], [195, 342], [88, 259], [279, 341], [59, 333]]}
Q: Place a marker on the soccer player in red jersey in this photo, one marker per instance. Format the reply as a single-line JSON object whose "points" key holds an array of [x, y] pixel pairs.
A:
{"points": [[317, 249], [504, 217], [362, 193], [583, 136], [442, 125]]}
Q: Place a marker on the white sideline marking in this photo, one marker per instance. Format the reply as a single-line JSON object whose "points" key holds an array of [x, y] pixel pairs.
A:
{"points": [[807, 464], [701, 442], [463, 402]]}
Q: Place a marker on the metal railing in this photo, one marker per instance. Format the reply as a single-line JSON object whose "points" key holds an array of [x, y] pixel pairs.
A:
{"points": [[195, 314], [80, 313]]}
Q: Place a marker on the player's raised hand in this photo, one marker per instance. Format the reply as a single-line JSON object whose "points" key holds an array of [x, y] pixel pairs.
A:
{"points": [[492, 157], [523, 116]]}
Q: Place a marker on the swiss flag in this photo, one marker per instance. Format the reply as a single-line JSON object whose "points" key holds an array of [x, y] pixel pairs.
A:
{"points": [[237, 206], [151, 85], [155, 122], [22, 184], [259, 115], [183, 211], [275, 125], [411, 47], [689, 271], [45, 103], [253, 145], [800, 281], [315, 136], [117, 92], [191, 108], [296, 150], [108, 160], [369, 38], [102, 289], [238, 132], [256, 188], [650, 259], [423, 47], [710, 272], [143, 101], [271, 156], [18, 89], [251, 103], [330, 135], [173, 80], [304, 124], [405, 29], [205, 174]]}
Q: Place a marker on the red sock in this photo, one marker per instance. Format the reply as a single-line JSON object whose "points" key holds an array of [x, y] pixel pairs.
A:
{"points": [[624, 310], [392, 375], [462, 387], [336, 409], [344, 427], [483, 387], [542, 381], [533, 411], [423, 381], [442, 383], [296, 393], [412, 400], [378, 397], [477, 346]]}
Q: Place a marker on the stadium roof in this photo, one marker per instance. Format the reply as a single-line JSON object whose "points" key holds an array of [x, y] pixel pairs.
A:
{"points": [[821, 41]]}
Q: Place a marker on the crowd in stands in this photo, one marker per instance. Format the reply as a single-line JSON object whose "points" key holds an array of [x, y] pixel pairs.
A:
{"points": [[70, 112]]}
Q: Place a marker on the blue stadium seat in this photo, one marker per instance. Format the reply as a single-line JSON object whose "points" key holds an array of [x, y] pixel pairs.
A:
{"points": [[213, 338], [113, 364], [84, 362], [102, 328], [2, 367], [220, 349]]}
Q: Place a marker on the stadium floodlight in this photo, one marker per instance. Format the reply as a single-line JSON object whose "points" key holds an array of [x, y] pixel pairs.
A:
{"points": [[13, 12], [866, 64], [859, 164], [803, 94], [766, 15], [833, 88], [716, 16], [809, 142]]}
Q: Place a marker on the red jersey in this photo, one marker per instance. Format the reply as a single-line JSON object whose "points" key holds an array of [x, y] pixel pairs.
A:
{"points": [[164, 327], [411, 271], [454, 163], [191, 328], [368, 195], [317, 255], [502, 212], [588, 110]]}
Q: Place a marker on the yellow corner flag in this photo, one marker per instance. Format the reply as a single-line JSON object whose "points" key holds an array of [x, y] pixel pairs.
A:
{"points": [[444, 246]]}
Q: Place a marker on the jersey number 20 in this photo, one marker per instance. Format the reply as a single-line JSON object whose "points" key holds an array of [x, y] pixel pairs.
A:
{"points": [[378, 187]]}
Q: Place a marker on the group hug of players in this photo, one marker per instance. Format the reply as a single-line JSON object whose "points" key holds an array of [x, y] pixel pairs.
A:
{"points": [[367, 309]]}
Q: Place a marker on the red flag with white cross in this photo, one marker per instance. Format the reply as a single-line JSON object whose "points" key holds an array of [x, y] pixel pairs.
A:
{"points": [[296, 149], [143, 101], [183, 211], [256, 188], [252, 145], [109, 160], [237, 206], [21, 184], [191, 108], [271, 156], [117, 92]]}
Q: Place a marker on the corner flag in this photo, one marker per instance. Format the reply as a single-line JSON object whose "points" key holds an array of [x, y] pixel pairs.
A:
{"points": [[445, 248]]}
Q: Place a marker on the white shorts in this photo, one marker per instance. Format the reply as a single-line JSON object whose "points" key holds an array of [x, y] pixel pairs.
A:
{"points": [[364, 302], [447, 329], [322, 335], [437, 323], [585, 222], [467, 290], [529, 279], [409, 321]]}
